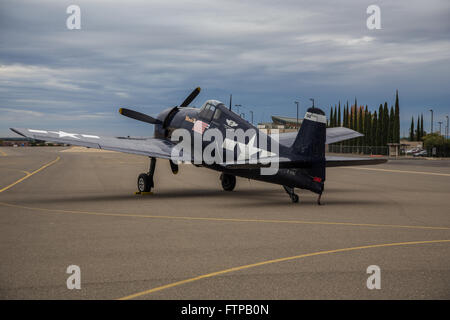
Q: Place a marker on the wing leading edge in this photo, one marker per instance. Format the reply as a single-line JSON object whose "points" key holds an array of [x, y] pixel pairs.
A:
{"points": [[335, 161], [151, 147]]}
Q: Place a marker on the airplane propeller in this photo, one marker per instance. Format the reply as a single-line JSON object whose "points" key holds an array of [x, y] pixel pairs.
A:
{"points": [[146, 118], [190, 98]]}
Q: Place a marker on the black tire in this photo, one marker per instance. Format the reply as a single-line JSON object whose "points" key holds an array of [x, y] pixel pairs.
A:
{"points": [[228, 181], [144, 183]]}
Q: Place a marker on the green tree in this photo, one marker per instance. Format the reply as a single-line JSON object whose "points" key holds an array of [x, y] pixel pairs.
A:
{"points": [[418, 137], [376, 130], [397, 120], [348, 116], [360, 125], [391, 137], [385, 123], [422, 132], [335, 120], [365, 125], [411, 130], [330, 121], [435, 140], [380, 126], [339, 124]]}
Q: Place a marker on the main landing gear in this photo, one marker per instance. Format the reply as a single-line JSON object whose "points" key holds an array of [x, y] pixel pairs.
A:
{"points": [[228, 181], [145, 180], [292, 195]]}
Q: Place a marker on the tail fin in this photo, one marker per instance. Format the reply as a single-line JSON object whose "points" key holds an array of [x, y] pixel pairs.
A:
{"points": [[312, 135], [310, 143]]}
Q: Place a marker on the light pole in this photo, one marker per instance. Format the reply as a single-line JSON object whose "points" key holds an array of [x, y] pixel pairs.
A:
{"points": [[238, 105], [312, 102], [446, 131], [252, 115], [431, 110], [296, 102], [440, 123]]}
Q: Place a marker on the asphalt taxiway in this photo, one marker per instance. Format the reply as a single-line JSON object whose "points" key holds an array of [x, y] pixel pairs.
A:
{"points": [[192, 240]]}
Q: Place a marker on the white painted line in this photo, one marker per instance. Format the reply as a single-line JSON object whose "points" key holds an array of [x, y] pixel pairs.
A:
{"points": [[402, 171]]}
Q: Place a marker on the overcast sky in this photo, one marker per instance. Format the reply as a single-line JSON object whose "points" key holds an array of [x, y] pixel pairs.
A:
{"points": [[148, 55]]}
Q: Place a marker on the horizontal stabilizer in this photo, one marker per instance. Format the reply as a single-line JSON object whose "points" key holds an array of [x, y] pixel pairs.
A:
{"points": [[335, 161], [333, 135]]}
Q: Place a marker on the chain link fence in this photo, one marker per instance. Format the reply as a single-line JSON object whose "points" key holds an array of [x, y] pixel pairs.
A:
{"points": [[367, 150]]}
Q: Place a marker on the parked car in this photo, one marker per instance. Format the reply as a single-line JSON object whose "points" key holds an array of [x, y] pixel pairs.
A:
{"points": [[412, 151], [422, 153]]}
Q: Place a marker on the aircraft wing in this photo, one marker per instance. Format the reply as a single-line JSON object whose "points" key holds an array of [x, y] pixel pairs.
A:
{"points": [[151, 147], [333, 135]]}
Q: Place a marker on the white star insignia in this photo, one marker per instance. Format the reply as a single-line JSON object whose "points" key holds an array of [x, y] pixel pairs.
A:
{"points": [[246, 151], [63, 134]]}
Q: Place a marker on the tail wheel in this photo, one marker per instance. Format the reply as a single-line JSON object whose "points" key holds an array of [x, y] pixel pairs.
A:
{"points": [[144, 183], [228, 181], [294, 198]]}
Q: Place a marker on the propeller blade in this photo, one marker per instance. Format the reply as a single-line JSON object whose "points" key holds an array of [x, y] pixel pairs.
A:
{"points": [[138, 116], [191, 97]]}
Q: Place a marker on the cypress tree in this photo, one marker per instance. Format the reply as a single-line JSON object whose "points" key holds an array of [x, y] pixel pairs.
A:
{"points": [[348, 116], [339, 115], [380, 126], [345, 121], [369, 129], [391, 137], [397, 120], [422, 132], [385, 124], [418, 137], [366, 137], [330, 121], [411, 130], [376, 129], [360, 125], [355, 124], [334, 117]]}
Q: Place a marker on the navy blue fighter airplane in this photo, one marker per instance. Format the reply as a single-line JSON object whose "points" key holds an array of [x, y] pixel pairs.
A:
{"points": [[301, 156]]}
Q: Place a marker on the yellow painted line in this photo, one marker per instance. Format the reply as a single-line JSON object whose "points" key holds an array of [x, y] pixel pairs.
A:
{"points": [[221, 219], [29, 174], [14, 169], [258, 264], [3, 153], [401, 171]]}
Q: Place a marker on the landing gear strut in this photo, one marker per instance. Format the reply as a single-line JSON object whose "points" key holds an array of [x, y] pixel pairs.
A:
{"points": [[145, 180], [292, 195], [318, 199], [228, 181]]}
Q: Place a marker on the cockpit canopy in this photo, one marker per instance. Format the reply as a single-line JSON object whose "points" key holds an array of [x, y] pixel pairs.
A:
{"points": [[210, 111]]}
